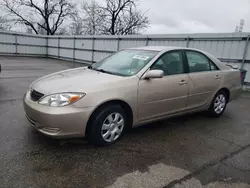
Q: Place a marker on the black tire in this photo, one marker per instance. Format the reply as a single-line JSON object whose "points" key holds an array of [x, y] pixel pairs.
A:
{"points": [[211, 111], [94, 133]]}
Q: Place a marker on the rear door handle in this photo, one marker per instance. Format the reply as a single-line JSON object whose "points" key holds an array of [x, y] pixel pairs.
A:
{"points": [[183, 82], [217, 77]]}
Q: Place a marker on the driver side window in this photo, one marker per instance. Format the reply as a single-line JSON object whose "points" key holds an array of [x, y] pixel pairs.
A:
{"points": [[170, 63]]}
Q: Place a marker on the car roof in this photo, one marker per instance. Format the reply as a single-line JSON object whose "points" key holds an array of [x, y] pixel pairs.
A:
{"points": [[163, 48], [156, 48], [168, 48]]}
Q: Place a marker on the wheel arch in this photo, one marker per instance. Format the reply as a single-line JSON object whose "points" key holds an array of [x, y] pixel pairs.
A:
{"points": [[126, 107], [227, 92]]}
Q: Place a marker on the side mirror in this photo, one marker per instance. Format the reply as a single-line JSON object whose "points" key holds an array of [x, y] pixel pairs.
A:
{"points": [[154, 74]]}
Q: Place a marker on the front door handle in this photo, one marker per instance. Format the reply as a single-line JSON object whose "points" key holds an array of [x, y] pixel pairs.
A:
{"points": [[217, 77], [183, 82]]}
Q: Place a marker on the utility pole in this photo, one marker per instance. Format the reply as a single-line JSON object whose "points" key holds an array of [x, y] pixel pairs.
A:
{"points": [[241, 25], [236, 29], [239, 28]]}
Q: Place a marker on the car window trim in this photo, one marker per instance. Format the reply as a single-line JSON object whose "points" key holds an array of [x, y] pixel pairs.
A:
{"points": [[210, 61], [183, 61]]}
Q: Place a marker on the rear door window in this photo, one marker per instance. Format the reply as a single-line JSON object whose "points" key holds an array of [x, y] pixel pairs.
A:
{"points": [[198, 62]]}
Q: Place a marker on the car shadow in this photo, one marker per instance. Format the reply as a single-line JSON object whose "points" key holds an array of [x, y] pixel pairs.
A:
{"points": [[155, 130], [172, 141]]}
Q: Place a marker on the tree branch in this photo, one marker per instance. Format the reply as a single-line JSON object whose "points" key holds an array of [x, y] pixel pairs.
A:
{"points": [[50, 10], [26, 22], [37, 8]]}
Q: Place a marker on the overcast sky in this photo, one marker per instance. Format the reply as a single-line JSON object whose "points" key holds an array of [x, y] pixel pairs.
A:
{"points": [[195, 16]]}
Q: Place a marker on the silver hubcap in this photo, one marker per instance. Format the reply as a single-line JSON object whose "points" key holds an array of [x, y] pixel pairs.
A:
{"points": [[219, 103], [112, 127]]}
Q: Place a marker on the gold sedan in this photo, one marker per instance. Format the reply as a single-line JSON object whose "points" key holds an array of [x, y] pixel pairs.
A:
{"points": [[127, 89]]}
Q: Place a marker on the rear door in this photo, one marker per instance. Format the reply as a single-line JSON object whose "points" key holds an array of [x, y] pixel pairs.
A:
{"points": [[204, 79]]}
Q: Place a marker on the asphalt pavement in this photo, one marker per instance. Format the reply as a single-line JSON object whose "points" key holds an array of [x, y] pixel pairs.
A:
{"points": [[187, 151]]}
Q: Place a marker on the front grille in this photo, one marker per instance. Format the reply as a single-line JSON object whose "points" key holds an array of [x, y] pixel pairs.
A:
{"points": [[35, 95]]}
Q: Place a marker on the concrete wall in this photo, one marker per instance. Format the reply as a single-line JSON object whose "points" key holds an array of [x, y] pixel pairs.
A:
{"points": [[229, 47]]}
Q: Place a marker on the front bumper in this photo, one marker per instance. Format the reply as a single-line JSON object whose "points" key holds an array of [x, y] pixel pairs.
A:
{"points": [[57, 122]]}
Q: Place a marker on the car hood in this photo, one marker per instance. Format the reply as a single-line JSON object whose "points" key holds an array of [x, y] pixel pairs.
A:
{"points": [[74, 80]]}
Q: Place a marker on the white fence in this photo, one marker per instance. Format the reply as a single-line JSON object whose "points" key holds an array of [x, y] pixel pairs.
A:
{"points": [[229, 47]]}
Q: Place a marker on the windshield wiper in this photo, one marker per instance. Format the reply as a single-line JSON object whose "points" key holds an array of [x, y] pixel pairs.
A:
{"points": [[104, 71], [101, 70]]}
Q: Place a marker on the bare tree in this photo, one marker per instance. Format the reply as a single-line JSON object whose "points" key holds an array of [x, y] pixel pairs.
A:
{"points": [[132, 23], [76, 26], [4, 24], [122, 17], [116, 17], [89, 19], [94, 16], [63, 31], [47, 15]]}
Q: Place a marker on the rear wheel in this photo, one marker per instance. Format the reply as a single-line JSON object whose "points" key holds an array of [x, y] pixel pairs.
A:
{"points": [[218, 104], [107, 125]]}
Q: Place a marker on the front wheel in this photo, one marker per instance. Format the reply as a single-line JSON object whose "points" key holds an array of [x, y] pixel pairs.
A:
{"points": [[107, 126], [218, 104]]}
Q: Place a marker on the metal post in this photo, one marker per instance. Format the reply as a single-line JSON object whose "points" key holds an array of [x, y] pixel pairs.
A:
{"points": [[187, 44], [58, 48], [245, 52], [93, 49], [118, 44], [74, 51], [16, 48], [147, 39], [47, 48]]}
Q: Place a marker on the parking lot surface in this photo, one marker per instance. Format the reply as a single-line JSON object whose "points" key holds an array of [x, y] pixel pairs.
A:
{"points": [[188, 151]]}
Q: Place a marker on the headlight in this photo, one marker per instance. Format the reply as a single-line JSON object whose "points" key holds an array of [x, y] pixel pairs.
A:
{"points": [[61, 99]]}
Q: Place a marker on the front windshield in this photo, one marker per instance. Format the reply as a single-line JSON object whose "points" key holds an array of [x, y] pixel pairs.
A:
{"points": [[125, 62]]}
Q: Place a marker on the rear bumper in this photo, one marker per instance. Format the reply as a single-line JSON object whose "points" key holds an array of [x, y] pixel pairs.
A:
{"points": [[57, 122], [235, 93]]}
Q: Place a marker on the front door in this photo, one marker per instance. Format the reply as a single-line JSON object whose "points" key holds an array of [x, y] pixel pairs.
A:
{"points": [[164, 96]]}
